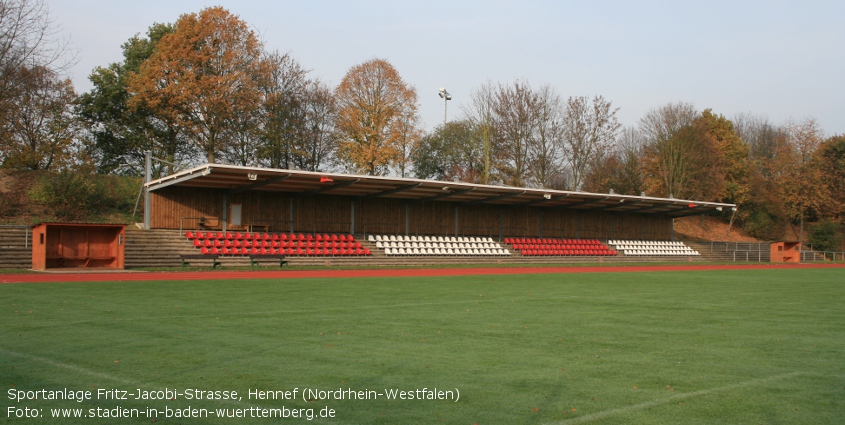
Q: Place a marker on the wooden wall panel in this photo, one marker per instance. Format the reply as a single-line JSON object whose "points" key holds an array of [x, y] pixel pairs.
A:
{"points": [[380, 216], [333, 214], [432, 218]]}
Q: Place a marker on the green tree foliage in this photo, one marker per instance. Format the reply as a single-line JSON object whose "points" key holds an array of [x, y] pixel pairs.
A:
{"points": [[827, 235], [70, 196], [732, 154], [452, 151], [119, 134], [204, 77], [829, 159]]}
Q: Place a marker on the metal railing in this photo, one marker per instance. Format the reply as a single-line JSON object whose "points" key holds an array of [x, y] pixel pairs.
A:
{"points": [[749, 256], [826, 256], [26, 233], [740, 246]]}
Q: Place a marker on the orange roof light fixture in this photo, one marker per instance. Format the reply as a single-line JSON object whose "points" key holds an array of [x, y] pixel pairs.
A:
{"points": [[324, 179]]}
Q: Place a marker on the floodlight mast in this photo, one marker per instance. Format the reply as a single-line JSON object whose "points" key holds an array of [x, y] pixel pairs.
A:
{"points": [[446, 98]]}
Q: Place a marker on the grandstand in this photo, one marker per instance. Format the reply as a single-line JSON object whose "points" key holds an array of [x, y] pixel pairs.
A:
{"points": [[235, 212]]}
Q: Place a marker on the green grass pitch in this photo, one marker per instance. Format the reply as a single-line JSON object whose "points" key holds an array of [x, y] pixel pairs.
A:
{"points": [[738, 347]]}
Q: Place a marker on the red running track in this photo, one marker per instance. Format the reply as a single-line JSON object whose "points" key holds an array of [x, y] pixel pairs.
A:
{"points": [[53, 277]]}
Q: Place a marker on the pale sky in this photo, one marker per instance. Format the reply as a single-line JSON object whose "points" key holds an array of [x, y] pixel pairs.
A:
{"points": [[777, 59]]}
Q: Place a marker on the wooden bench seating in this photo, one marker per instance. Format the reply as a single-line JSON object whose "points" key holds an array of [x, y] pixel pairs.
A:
{"points": [[255, 258], [187, 258]]}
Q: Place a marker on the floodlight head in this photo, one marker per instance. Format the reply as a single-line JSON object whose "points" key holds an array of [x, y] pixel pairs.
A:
{"points": [[719, 209], [445, 188], [547, 195], [733, 209], [252, 176], [206, 171], [440, 94]]}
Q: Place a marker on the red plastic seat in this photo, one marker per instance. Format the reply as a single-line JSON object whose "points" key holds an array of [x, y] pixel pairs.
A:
{"points": [[205, 251], [189, 234]]}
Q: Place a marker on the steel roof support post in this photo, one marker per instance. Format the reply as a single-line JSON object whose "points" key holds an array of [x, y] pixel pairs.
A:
{"points": [[501, 223], [542, 221], [352, 225], [292, 205], [407, 218], [456, 220], [225, 215], [148, 177], [577, 225]]}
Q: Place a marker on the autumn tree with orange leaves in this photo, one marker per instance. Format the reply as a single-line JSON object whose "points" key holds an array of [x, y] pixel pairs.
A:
{"points": [[377, 118], [205, 76]]}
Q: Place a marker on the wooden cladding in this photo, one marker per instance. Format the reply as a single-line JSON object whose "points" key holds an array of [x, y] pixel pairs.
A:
{"points": [[181, 207]]}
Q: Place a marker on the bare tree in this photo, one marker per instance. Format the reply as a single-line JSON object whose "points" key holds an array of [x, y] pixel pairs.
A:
{"points": [[28, 39], [515, 109], [28, 42], [545, 148], [319, 141], [41, 128], [284, 92], [482, 116], [589, 131]]}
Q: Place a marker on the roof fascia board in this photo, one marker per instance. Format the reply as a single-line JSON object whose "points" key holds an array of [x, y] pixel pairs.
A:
{"points": [[325, 189], [494, 198], [257, 184], [441, 195], [388, 192]]}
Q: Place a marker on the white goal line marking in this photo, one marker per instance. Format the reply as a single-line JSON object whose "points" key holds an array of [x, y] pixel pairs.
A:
{"points": [[649, 404]]}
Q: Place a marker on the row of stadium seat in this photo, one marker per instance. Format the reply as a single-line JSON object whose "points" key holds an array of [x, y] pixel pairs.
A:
{"points": [[226, 243], [660, 253], [268, 236], [441, 239], [448, 252], [440, 245], [560, 247], [558, 252], [291, 252], [552, 241], [401, 245], [637, 248]]}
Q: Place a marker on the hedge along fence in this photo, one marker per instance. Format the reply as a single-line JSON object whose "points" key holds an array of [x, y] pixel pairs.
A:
{"points": [[68, 196]]}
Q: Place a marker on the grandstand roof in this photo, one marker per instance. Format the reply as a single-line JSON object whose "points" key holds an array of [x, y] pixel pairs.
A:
{"points": [[236, 179]]}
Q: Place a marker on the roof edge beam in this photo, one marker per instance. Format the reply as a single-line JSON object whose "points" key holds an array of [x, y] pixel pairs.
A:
{"points": [[494, 198], [441, 195], [591, 201], [327, 188], [621, 204], [257, 184], [388, 192], [539, 201], [199, 173]]}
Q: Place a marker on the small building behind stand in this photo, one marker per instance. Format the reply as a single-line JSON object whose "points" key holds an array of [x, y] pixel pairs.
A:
{"points": [[78, 245], [785, 252]]}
